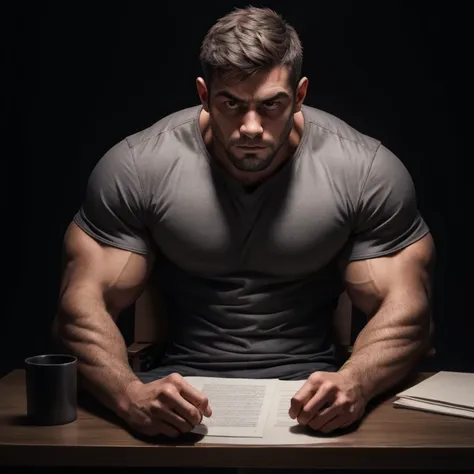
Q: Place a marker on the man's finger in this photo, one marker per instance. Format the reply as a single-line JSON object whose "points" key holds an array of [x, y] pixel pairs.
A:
{"points": [[187, 410], [196, 398], [324, 396], [301, 397], [340, 421], [176, 420], [328, 414]]}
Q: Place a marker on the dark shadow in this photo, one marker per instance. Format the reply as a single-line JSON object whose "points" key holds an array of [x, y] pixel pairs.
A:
{"points": [[17, 420], [187, 439], [307, 431], [24, 420], [411, 379], [113, 470], [88, 403]]}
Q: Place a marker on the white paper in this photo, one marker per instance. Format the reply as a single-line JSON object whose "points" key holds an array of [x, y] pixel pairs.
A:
{"points": [[279, 418], [436, 404], [239, 406], [300, 436], [454, 389], [433, 408], [279, 428]]}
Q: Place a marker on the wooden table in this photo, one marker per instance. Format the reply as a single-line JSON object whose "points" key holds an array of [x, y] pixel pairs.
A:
{"points": [[386, 438]]}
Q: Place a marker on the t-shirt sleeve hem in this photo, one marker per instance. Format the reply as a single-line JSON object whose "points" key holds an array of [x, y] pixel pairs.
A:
{"points": [[84, 225], [382, 253]]}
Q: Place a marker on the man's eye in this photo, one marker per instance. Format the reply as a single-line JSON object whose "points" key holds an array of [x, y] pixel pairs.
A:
{"points": [[231, 104], [271, 105]]}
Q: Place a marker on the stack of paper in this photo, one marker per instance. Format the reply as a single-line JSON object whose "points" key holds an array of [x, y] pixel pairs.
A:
{"points": [[448, 393]]}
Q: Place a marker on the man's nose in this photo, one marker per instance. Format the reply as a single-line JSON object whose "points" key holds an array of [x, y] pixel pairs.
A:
{"points": [[251, 126]]}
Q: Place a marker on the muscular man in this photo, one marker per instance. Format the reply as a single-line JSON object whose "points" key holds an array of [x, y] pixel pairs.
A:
{"points": [[259, 212]]}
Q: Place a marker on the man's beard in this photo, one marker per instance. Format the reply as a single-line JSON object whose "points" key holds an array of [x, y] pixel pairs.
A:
{"points": [[251, 162]]}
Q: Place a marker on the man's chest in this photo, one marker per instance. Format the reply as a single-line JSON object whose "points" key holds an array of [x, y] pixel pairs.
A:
{"points": [[285, 232]]}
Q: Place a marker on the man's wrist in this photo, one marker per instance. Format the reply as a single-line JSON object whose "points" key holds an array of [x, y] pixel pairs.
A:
{"points": [[126, 397], [351, 373]]}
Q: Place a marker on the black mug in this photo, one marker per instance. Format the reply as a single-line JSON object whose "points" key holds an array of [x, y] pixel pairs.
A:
{"points": [[51, 389]]}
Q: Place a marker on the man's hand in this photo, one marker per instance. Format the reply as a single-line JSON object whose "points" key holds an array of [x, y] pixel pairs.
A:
{"points": [[328, 401], [169, 406]]}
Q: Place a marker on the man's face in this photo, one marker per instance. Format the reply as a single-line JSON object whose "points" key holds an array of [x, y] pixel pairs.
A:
{"points": [[250, 121]]}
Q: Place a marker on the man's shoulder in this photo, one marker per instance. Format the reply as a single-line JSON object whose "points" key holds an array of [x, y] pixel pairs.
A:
{"points": [[326, 123], [174, 120]]}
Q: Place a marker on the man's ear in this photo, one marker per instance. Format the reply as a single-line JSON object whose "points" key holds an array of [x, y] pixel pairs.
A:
{"points": [[301, 91], [203, 93]]}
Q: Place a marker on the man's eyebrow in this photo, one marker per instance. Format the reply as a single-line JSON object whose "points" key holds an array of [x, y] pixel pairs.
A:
{"points": [[233, 97]]}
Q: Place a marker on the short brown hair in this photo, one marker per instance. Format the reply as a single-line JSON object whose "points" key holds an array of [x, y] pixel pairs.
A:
{"points": [[247, 41]]}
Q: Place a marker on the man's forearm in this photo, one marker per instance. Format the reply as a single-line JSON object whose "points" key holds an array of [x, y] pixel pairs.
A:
{"points": [[88, 331], [388, 348]]}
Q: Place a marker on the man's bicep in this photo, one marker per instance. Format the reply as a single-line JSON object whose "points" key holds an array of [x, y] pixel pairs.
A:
{"points": [[404, 277], [111, 275]]}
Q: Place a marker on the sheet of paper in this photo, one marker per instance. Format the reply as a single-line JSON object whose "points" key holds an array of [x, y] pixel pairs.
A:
{"points": [[278, 416], [299, 437], [436, 404], [239, 406], [451, 388], [433, 408], [280, 429]]}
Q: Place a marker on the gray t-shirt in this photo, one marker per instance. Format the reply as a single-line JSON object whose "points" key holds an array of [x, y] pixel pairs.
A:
{"points": [[251, 279]]}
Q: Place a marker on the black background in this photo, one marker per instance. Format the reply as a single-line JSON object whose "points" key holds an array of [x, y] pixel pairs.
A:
{"points": [[80, 77]]}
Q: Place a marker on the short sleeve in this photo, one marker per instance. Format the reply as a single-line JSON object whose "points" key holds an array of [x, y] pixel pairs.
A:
{"points": [[387, 216], [112, 210]]}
